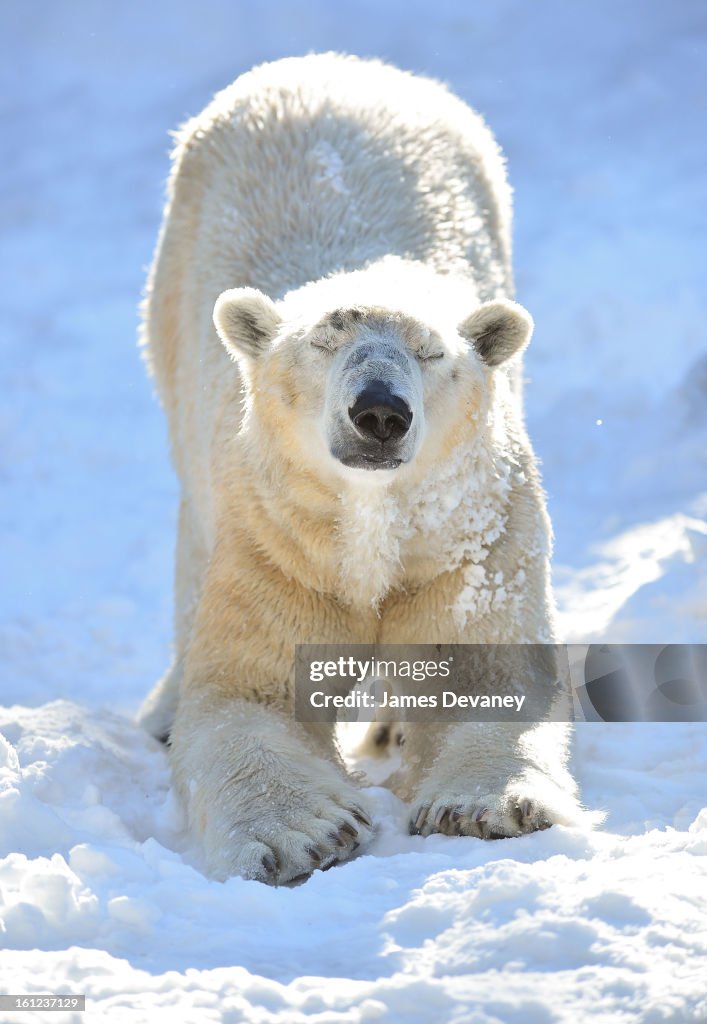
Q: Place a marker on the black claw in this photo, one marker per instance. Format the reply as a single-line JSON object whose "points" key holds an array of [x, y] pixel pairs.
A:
{"points": [[336, 839], [314, 854], [440, 817], [298, 879], [348, 830], [360, 816], [419, 821], [269, 863]]}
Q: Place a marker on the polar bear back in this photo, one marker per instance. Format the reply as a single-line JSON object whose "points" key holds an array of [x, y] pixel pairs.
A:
{"points": [[323, 163]]}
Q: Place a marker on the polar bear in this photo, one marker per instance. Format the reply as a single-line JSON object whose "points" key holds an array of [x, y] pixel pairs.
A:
{"points": [[330, 325]]}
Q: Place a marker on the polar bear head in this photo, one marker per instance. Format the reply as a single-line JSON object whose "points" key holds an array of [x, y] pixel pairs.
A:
{"points": [[366, 372]]}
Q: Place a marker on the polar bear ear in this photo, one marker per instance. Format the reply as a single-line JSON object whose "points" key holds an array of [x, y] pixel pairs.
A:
{"points": [[498, 330], [246, 320]]}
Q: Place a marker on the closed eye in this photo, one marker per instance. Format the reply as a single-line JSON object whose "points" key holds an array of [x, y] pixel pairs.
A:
{"points": [[325, 344], [426, 357]]}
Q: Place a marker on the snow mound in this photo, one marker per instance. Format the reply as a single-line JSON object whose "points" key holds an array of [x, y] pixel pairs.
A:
{"points": [[651, 571]]}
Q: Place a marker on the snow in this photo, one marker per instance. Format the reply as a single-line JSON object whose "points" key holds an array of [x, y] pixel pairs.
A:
{"points": [[599, 108], [331, 167]]}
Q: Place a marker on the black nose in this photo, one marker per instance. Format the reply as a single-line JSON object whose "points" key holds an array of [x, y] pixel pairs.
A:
{"points": [[378, 413]]}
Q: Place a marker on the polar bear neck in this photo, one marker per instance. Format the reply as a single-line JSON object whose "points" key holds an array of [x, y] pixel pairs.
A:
{"points": [[399, 538], [371, 531]]}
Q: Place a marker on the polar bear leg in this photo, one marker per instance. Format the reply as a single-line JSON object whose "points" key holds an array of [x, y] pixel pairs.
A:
{"points": [[159, 708], [265, 804], [489, 780]]}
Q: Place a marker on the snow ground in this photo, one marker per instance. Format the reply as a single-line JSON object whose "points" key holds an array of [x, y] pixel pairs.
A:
{"points": [[600, 108]]}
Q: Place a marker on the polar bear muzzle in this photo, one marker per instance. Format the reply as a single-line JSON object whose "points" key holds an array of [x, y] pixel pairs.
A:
{"points": [[374, 406]]}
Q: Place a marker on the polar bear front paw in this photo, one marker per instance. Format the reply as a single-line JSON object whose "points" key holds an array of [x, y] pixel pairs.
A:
{"points": [[281, 853], [520, 808], [285, 841]]}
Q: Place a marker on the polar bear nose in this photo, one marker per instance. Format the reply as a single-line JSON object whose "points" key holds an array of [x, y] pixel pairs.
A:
{"points": [[378, 413]]}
